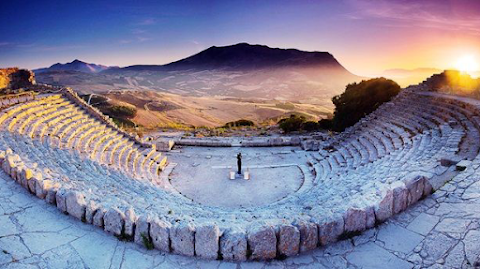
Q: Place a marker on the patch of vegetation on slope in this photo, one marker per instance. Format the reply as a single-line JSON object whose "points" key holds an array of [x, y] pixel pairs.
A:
{"points": [[239, 123], [358, 100], [361, 99], [297, 123]]}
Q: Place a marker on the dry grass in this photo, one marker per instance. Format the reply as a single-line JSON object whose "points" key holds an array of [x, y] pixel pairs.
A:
{"points": [[186, 112]]}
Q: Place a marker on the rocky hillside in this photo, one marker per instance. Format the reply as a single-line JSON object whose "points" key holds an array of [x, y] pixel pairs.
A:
{"points": [[14, 78], [454, 82]]}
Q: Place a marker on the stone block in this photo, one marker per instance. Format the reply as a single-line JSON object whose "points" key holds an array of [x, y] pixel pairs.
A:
{"points": [[130, 219], [41, 188], [384, 210], [207, 241], [142, 230], [233, 245], [90, 210], [27, 173], [32, 185], [98, 217], [400, 198], [60, 199], [262, 242], [370, 221], [330, 230], [75, 202], [415, 189], [21, 177], [355, 220], [160, 234], [113, 221], [6, 166], [288, 240], [308, 235], [51, 196], [182, 238], [427, 187]]}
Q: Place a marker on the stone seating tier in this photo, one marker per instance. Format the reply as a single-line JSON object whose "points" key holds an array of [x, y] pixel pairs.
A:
{"points": [[70, 127]]}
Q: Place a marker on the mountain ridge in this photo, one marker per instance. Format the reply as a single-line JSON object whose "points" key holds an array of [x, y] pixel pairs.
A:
{"points": [[244, 56], [75, 65], [238, 71]]}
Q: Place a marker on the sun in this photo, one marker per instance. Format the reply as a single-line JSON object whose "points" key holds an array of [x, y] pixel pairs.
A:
{"points": [[467, 64]]}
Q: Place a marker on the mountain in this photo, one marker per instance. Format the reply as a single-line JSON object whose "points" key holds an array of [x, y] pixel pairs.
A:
{"points": [[243, 56], [238, 71], [76, 65], [406, 77]]}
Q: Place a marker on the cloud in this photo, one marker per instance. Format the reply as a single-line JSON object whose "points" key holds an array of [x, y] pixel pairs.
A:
{"points": [[425, 14], [147, 21], [139, 31], [139, 35], [4, 44], [142, 39]]}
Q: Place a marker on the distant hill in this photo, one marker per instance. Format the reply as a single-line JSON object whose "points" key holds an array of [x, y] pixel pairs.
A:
{"points": [[75, 65], [406, 77], [238, 71]]}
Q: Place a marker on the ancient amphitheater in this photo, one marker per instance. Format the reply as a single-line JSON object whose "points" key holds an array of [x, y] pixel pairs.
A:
{"points": [[64, 151]]}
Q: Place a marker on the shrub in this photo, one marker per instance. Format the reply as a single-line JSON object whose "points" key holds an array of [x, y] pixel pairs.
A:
{"points": [[291, 124], [360, 99], [122, 111], [310, 126], [124, 123], [325, 124], [239, 123]]}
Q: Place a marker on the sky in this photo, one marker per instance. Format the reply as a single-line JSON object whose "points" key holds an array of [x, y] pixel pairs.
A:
{"points": [[365, 36]]}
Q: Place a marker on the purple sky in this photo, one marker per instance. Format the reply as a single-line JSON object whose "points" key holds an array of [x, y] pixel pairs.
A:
{"points": [[367, 37]]}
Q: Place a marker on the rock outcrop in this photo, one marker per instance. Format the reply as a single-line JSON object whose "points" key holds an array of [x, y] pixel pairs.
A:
{"points": [[14, 78]]}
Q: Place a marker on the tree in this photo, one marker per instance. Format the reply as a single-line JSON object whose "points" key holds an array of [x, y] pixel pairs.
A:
{"points": [[310, 126], [361, 99], [291, 124], [325, 124]]}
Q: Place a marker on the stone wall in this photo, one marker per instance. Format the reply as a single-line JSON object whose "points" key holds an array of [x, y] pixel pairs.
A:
{"points": [[241, 142]]}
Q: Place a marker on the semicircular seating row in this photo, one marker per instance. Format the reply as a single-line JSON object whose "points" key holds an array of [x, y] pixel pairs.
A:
{"points": [[405, 137], [409, 122], [56, 120]]}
